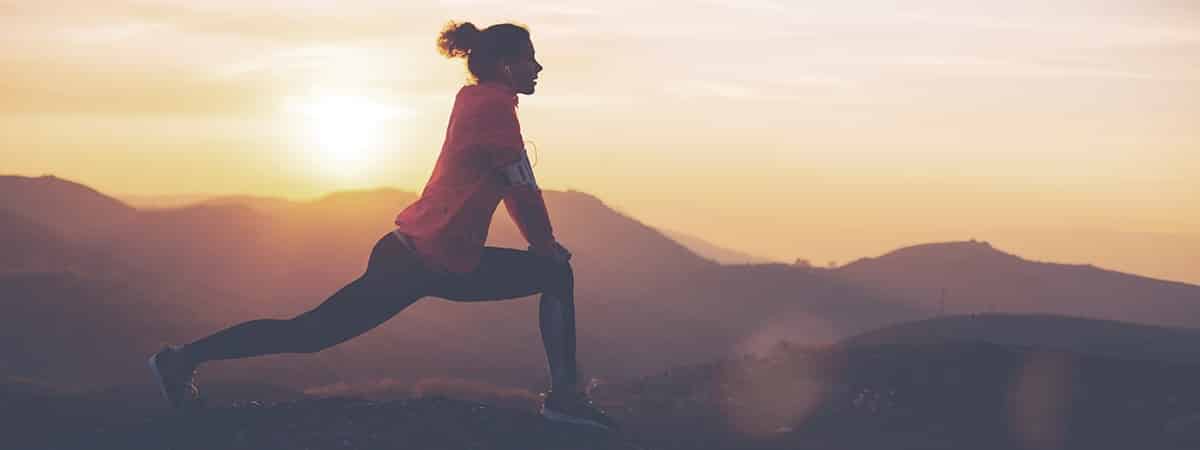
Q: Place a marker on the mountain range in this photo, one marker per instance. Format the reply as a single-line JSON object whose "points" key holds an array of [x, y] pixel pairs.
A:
{"points": [[93, 285]]}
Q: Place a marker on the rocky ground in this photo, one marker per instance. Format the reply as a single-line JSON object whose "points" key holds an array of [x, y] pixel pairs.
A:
{"points": [[343, 424], [951, 396]]}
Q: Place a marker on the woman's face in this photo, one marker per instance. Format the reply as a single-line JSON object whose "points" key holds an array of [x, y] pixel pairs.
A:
{"points": [[522, 72]]}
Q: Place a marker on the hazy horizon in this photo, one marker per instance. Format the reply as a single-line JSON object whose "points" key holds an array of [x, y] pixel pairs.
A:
{"points": [[818, 131], [1044, 244]]}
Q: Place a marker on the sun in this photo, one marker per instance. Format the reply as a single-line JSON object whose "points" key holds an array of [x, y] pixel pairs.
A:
{"points": [[343, 132]]}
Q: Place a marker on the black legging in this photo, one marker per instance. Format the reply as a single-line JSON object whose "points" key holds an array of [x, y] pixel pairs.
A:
{"points": [[396, 278]]}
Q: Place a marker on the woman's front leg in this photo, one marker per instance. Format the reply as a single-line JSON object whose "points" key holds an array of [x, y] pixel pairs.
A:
{"points": [[506, 273]]}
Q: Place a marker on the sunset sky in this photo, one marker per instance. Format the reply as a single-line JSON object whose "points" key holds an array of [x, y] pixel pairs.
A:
{"points": [[775, 127]]}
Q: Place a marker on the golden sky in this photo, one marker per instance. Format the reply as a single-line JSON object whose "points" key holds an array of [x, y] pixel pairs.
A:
{"points": [[758, 124]]}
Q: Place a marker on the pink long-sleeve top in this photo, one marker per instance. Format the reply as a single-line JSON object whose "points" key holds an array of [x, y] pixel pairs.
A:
{"points": [[448, 224]]}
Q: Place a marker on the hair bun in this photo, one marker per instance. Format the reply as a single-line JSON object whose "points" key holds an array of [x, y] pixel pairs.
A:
{"points": [[457, 39]]}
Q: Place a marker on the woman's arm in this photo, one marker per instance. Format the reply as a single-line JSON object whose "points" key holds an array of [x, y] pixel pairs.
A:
{"points": [[499, 133], [525, 204]]}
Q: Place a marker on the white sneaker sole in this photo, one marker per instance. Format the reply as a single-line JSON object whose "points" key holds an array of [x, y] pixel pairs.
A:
{"points": [[162, 387], [560, 417]]}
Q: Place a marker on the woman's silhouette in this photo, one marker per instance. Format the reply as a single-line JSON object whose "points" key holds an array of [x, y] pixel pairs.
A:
{"points": [[437, 247]]}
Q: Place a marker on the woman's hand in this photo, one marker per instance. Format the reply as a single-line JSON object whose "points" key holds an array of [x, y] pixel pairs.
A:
{"points": [[553, 250]]}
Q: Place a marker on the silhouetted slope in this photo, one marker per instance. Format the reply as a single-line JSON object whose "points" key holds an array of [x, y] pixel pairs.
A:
{"points": [[596, 232], [33, 247], [219, 245], [950, 395], [769, 302], [714, 252], [974, 277], [26, 242], [72, 330], [1084, 336], [65, 206], [19, 229]]}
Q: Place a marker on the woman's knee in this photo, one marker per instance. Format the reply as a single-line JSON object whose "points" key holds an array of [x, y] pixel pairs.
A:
{"points": [[558, 278]]}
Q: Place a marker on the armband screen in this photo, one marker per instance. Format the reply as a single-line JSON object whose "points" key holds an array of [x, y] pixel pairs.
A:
{"points": [[518, 172]]}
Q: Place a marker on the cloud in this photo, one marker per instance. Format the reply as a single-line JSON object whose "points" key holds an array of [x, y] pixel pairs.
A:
{"points": [[53, 87], [586, 101], [1023, 69], [768, 6], [224, 52], [324, 22], [727, 90], [1088, 31]]}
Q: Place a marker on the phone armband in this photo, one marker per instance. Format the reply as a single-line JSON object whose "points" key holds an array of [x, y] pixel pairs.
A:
{"points": [[518, 172]]}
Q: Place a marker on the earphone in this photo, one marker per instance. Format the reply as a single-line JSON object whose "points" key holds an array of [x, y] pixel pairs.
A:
{"points": [[536, 157]]}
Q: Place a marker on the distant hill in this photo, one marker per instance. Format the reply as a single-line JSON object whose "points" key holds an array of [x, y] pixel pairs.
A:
{"points": [[184, 200], [68, 329], [973, 277], [26, 242], [1162, 255], [65, 206], [714, 252], [1105, 338], [29, 246], [152, 201]]}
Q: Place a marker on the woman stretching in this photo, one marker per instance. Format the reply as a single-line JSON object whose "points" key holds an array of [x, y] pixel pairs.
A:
{"points": [[437, 247]]}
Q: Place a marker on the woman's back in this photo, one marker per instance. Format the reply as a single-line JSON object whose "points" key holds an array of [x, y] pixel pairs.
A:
{"points": [[449, 223]]}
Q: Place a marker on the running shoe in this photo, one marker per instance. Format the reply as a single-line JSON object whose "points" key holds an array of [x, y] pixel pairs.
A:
{"points": [[575, 407], [176, 379]]}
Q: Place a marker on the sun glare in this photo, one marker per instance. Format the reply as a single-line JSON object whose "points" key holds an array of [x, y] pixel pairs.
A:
{"points": [[343, 132]]}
